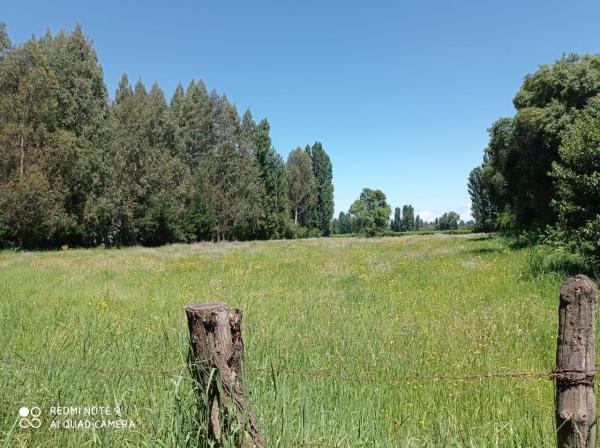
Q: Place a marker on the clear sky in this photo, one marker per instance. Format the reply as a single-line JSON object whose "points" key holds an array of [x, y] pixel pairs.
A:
{"points": [[399, 92]]}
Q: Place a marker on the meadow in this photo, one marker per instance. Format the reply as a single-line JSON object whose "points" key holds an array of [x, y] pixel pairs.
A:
{"points": [[107, 327]]}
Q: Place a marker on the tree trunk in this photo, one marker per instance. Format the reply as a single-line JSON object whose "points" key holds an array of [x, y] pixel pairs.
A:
{"points": [[22, 154], [22, 146]]}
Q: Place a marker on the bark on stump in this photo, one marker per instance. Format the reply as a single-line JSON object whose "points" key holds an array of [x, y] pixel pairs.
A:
{"points": [[575, 398], [217, 346]]}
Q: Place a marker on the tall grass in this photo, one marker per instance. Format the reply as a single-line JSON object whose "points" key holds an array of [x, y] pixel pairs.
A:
{"points": [[415, 305]]}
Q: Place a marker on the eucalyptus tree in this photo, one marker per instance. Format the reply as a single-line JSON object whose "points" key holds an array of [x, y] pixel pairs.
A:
{"points": [[273, 176]]}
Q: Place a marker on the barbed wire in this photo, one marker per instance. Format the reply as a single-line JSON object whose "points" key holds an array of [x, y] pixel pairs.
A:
{"points": [[566, 374], [106, 370], [363, 377]]}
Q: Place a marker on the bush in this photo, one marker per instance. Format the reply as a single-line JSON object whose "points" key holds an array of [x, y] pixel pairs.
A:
{"points": [[586, 242], [559, 260], [299, 232], [6, 236], [563, 251]]}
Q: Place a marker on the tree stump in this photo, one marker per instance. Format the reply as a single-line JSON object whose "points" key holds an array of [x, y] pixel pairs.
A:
{"points": [[575, 364], [217, 346]]}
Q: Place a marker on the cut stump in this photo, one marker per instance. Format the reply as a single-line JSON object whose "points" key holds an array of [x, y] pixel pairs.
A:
{"points": [[218, 348]]}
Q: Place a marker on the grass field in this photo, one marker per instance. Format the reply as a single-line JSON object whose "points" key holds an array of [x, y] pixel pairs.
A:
{"points": [[76, 324]]}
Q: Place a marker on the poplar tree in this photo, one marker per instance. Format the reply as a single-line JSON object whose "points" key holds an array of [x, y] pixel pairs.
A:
{"points": [[323, 172], [408, 217], [396, 225], [482, 208]]}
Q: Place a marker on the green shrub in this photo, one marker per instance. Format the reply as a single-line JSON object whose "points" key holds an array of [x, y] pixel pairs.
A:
{"points": [[6, 236], [559, 260], [298, 231]]}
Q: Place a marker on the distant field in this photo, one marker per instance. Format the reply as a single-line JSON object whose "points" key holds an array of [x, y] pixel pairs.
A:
{"points": [[351, 307]]}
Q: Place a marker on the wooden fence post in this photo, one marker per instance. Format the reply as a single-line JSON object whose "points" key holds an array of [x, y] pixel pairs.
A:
{"points": [[575, 398], [217, 346]]}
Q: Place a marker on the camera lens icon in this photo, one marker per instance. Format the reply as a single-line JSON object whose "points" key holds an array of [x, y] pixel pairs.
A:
{"points": [[30, 417]]}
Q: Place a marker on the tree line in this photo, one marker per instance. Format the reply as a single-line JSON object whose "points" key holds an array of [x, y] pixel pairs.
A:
{"points": [[539, 179], [78, 168], [370, 215]]}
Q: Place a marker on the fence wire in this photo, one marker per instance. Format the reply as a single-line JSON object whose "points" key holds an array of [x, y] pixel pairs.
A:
{"points": [[363, 377]]}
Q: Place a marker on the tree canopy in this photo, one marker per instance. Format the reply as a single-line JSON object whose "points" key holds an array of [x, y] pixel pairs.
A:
{"points": [[515, 176], [78, 168], [371, 212], [540, 170]]}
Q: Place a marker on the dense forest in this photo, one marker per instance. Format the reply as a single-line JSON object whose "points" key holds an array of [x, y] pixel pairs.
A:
{"points": [[78, 168], [540, 176]]}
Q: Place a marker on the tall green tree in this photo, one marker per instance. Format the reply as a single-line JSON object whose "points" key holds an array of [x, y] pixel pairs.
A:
{"points": [[396, 224], [301, 186], [448, 221], [577, 183], [408, 218], [77, 169], [29, 107], [192, 116], [152, 184], [233, 192], [247, 130], [32, 211], [323, 172], [37, 155], [82, 94], [346, 223], [371, 211], [273, 176], [482, 208], [83, 114], [523, 148], [190, 121], [232, 175]]}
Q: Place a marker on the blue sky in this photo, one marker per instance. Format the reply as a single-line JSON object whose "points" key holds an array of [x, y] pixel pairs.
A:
{"points": [[400, 93]]}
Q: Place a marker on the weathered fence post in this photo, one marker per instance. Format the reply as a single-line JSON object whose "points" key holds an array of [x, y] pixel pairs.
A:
{"points": [[575, 398], [217, 345]]}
